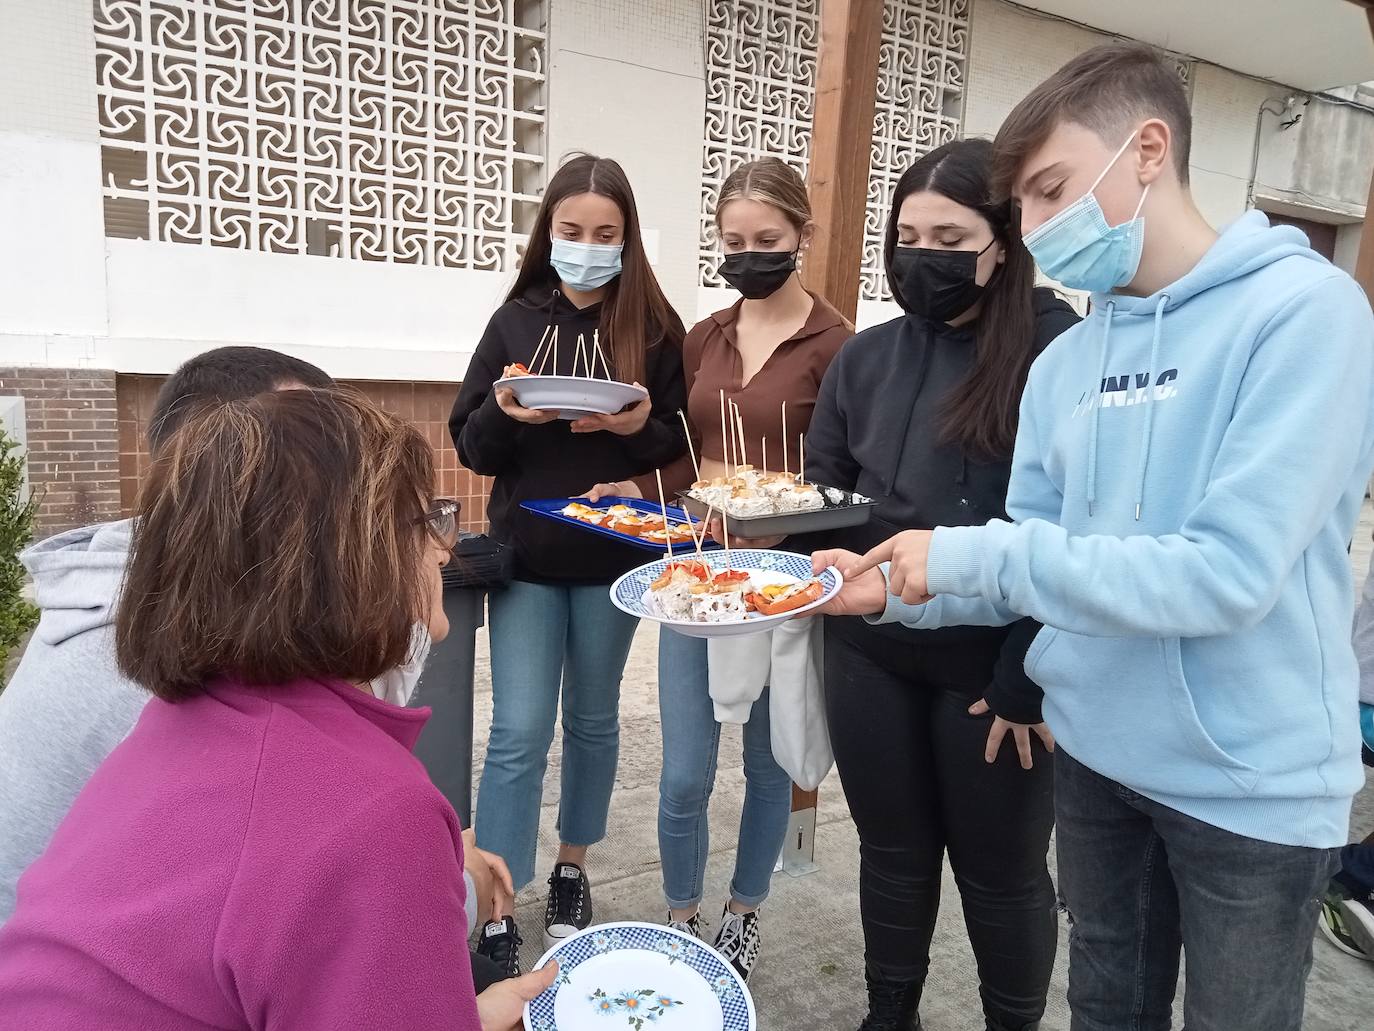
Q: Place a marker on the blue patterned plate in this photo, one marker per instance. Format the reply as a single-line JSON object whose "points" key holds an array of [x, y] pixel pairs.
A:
{"points": [[636, 976], [631, 592]]}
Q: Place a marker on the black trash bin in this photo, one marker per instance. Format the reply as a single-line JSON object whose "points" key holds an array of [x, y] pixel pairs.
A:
{"points": [[445, 745]]}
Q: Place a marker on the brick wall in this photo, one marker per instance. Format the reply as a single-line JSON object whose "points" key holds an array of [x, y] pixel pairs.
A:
{"points": [[73, 445], [424, 404]]}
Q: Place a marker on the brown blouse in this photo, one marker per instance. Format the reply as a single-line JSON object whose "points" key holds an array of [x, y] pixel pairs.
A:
{"points": [[711, 363]]}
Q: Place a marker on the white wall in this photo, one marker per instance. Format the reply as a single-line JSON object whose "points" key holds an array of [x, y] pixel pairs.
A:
{"points": [[52, 277], [624, 80], [1011, 50], [1225, 106], [627, 81]]}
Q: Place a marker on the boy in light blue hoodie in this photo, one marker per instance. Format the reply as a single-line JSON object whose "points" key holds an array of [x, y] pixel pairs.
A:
{"points": [[1189, 468]]}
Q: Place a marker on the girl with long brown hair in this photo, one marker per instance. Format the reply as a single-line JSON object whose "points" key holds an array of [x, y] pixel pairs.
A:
{"points": [[771, 347], [920, 414], [584, 274]]}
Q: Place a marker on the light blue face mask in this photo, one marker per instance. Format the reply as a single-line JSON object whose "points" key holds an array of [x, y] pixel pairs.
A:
{"points": [[585, 266], [1080, 250]]}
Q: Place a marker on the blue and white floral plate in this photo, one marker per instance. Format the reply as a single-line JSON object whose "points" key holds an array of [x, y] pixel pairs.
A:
{"points": [[637, 976], [631, 592]]}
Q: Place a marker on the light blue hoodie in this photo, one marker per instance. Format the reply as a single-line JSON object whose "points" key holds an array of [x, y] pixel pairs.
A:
{"points": [[1188, 472]]}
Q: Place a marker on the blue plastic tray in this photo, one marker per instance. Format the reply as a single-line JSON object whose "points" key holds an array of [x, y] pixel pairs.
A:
{"points": [[552, 508]]}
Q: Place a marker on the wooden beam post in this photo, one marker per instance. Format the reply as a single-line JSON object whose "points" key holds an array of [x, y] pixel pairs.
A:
{"points": [[841, 150], [841, 147]]}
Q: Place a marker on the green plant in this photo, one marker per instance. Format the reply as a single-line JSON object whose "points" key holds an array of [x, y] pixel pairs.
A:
{"points": [[17, 616]]}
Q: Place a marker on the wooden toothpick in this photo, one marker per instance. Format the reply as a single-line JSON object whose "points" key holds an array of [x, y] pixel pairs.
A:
{"points": [[691, 451], [663, 507], [725, 532], [724, 436], [553, 343], [763, 445], [596, 347], [801, 453], [534, 359], [786, 471]]}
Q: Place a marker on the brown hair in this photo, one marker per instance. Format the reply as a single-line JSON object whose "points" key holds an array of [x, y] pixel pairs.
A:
{"points": [[1104, 89], [635, 314], [277, 538], [772, 181], [980, 414], [225, 374]]}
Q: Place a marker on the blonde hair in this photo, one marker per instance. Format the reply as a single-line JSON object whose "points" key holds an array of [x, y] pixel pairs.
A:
{"points": [[772, 181]]}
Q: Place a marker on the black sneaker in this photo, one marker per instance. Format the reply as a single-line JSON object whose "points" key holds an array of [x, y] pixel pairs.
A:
{"points": [[739, 940], [692, 925], [891, 1005], [570, 904], [500, 942]]}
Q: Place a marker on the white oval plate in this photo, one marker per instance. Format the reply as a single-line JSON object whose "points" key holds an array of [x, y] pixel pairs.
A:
{"points": [[572, 397], [631, 592], [634, 976]]}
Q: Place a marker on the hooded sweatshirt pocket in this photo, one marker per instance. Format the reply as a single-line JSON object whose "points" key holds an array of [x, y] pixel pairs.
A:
{"points": [[1123, 707], [1202, 742]]}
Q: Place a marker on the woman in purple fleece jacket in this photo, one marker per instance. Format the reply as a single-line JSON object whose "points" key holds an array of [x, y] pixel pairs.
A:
{"points": [[264, 851]]}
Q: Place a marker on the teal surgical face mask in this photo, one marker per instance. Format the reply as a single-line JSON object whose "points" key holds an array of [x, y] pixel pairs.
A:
{"points": [[585, 266], [1078, 248]]}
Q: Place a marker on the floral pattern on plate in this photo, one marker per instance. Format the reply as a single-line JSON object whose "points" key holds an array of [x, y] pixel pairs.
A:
{"points": [[641, 1008]]}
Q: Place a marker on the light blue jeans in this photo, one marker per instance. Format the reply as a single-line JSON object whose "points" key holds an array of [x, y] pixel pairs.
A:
{"points": [[544, 637], [691, 742]]}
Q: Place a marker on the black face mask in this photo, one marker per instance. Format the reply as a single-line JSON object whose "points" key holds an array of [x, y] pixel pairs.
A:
{"points": [[756, 274], [937, 284]]}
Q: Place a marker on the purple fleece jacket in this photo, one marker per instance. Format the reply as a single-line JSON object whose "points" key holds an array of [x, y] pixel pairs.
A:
{"points": [[254, 858]]}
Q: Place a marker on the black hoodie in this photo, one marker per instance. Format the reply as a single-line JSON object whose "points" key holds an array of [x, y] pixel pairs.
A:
{"points": [[549, 461], [876, 430]]}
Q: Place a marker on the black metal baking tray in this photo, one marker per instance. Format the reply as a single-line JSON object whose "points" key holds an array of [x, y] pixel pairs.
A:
{"points": [[834, 516]]}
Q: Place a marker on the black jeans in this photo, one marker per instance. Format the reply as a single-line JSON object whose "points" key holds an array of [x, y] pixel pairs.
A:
{"points": [[1141, 880], [911, 761]]}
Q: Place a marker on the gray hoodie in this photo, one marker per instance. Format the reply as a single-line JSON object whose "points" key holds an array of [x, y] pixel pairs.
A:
{"points": [[67, 706]]}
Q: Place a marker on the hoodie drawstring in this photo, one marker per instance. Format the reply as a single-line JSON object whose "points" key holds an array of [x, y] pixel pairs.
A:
{"points": [[1097, 408], [1149, 407]]}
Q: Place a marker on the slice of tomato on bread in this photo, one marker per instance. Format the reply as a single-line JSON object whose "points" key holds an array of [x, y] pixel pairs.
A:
{"points": [[775, 599]]}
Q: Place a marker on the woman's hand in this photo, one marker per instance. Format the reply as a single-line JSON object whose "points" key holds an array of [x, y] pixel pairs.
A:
{"points": [[623, 424], [491, 880], [715, 529], [505, 400], [862, 594], [619, 489], [1021, 732], [502, 1006]]}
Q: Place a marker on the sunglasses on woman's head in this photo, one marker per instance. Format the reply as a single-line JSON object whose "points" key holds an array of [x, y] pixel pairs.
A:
{"points": [[441, 520]]}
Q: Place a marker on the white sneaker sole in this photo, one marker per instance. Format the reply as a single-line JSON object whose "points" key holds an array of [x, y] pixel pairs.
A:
{"points": [[1330, 936], [1360, 922], [551, 940]]}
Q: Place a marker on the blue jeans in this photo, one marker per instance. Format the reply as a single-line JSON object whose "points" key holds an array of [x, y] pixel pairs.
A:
{"points": [[1140, 880], [542, 637], [691, 741]]}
